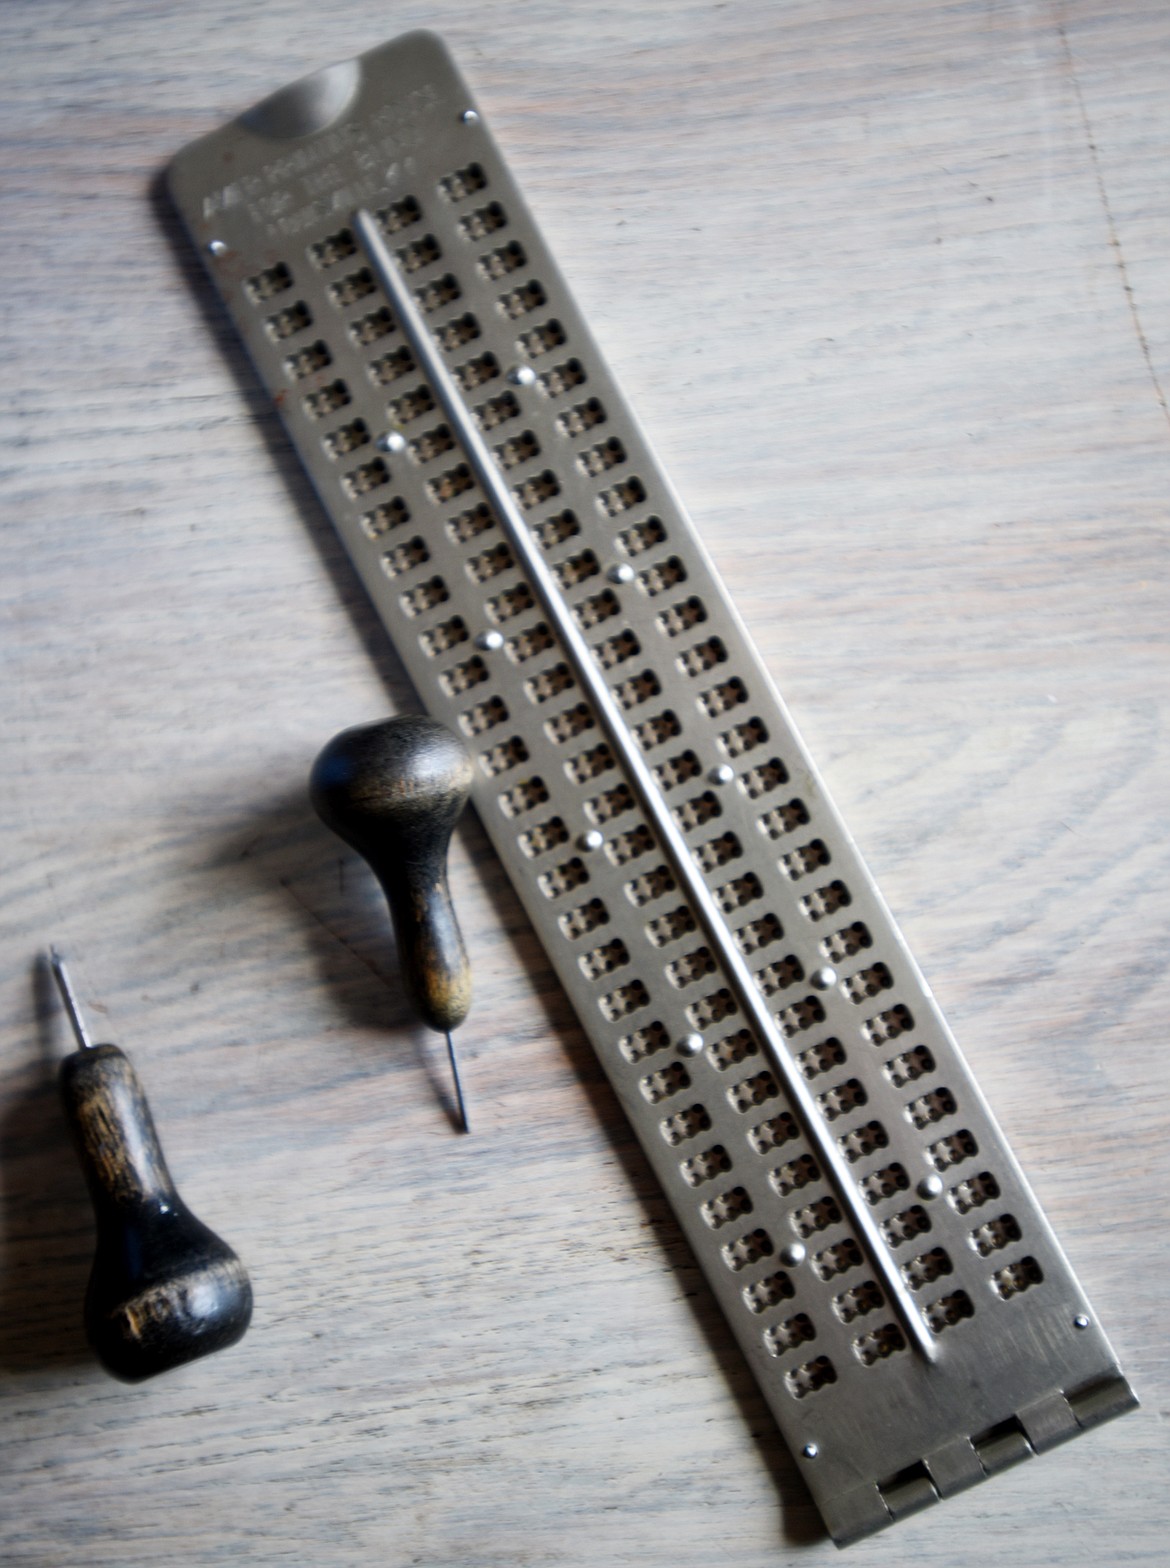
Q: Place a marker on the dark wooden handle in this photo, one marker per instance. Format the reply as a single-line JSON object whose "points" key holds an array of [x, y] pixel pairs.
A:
{"points": [[394, 792], [164, 1289]]}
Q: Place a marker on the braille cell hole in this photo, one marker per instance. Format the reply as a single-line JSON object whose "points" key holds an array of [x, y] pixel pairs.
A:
{"points": [[858, 1301], [517, 449], [613, 803], [879, 1344], [677, 770], [668, 1081], [617, 649], [800, 862], [498, 411], [265, 285], [726, 1208], [484, 716], [438, 292], [739, 892], [553, 531], [307, 361], [995, 1235], [536, 490], [651, 885], [524, 796], [318, 405], [669, 927], [842, 1099], [658, 730], [863, 1141], [545, 836], [484, 221], [498, 263], [785, 1336], [702, 657], [506, 606], [802, 1015], [368, 329], [681, 617], [426, 596], [569, 724], [1017, 1277], [522, 301], [974, 1192], [398, 215], [477, 371], [796, 1174], [370, 476], [885, 1183], [462, 183], [644, 1042], [910, 1065], [810, 1377], [637, 689], [838, 1259], [632, 844], [888, 1025], [529, 644], [431, 444], [949, 1310], [698, 811], [903, 1227], [642, 536], [419, 253], [751, 1092], [931, 1108], [684, 1125], [503, 756], [773, 1133], [846, 942], [462, 677], [584, 417], [586, 917], [821, 1058], [768, 1292], [457, 332], [744, 737], [333, 248], [781, 820], [953, 1150], [826, 900], [348, 290], [746, 1250], [712, 1009], [758, 934], [412, 405], [691, 968], [629, 999], [927, 1267], [717, 852], [728, 694], [867, 983], [605, 455], [778, 976], [391, 367], [590, 764], [563, 879], [597, 608], [630, 493], [604, 960], [442, 638], [542, 340], [549, 683], [706, 1166], [288, 322], [389, 515], [562, 378]]}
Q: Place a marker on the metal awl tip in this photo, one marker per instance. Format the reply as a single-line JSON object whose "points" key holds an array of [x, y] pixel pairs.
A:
{"points": [[460, 1101], [61, 975]]}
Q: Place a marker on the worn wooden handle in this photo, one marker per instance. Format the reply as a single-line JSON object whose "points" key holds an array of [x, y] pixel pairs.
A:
{"points": [[394, 792], [164, 1289]]}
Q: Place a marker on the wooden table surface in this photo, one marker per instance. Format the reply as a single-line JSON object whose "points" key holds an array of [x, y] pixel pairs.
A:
{"points": [[886, 281]]}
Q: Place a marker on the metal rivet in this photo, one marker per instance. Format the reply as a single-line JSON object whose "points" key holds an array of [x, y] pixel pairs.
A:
{"points": [[793, 1255], [723, 774], [469, 117], [591, 840], [623, 572], [690, 1045], [217, 248], [810, 1450], [522, 376], [930, 1187], [392, 441], [490, 642], [1080, 1321], [823, 978]]}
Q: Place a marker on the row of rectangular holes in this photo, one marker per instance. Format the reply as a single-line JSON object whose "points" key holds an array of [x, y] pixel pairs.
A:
{"points": [[696, 662]]}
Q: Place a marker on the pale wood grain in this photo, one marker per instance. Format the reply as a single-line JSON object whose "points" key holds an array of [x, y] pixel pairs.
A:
{"points": [[887, 285]]}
